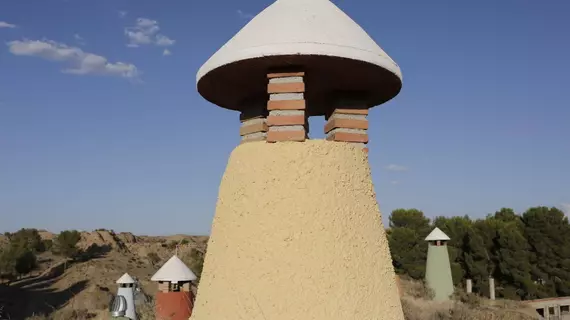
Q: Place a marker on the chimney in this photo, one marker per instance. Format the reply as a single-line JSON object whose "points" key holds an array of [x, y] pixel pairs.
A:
{"points": [[126, 289], [174, 299], [438, 267]]}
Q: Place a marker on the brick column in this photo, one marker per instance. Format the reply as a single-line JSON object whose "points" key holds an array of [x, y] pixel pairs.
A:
{"points": [[253, 125], [348, 125], [287, 120]]}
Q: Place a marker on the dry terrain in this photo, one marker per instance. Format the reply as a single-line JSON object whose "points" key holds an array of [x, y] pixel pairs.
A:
{"points": [[62, 290]]}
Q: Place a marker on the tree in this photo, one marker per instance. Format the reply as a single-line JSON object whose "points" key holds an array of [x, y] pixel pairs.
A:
{"points": [[506, 215], [513, 263], [25, 262], [7, 261], [410, 218], [66, 243], [26, 240], [476, 260], [408, 252], [408, 229], [548, 233], [528, 254]]}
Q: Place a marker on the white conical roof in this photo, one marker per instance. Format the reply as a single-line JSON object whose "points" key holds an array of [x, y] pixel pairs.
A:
{"points": [[301, 28], [174, 270], [437, 235], [125, 279], [312, 27]]}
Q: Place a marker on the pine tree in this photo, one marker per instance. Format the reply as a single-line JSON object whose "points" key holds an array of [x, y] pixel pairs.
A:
{"points": [[408, 229], [548, 233]]}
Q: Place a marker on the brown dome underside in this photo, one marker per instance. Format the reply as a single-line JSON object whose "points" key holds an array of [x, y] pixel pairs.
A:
{"points": [[231, 85]]}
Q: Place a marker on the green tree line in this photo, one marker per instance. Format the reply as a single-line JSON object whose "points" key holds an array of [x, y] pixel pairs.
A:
{"points": [[19, 255], [528, 255]]}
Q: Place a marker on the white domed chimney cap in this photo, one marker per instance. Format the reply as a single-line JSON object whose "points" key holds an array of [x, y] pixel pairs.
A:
{"points": [[314, 35], [174, 270]]}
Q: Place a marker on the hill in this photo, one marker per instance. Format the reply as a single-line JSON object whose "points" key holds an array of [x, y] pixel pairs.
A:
{"points": [[63, 289]]}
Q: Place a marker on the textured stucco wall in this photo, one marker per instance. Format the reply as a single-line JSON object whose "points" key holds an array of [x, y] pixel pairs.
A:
{"points": [[438, 272], [297, 235]]}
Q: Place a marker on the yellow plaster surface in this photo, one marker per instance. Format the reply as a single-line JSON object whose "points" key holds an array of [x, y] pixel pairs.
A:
{"points": [[297, 235]]}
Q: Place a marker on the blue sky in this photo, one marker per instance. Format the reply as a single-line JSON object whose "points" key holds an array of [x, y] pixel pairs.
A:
{"points": [[101, 125]]}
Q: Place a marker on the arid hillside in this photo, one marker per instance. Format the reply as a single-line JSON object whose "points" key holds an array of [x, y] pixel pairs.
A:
{"points": [[64, 289]]}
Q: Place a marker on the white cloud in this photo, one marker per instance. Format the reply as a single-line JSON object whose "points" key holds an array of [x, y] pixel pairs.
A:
{"points": [[145, 32], [122, 14], [164, 41], [394, 182], [79, 62], [245, 15], [166, 52], [566, 208], [396, 167], [4, 24]]}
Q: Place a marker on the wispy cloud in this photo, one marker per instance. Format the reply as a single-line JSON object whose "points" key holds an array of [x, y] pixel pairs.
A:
{"points": [[166, 52], [4, 24], [145, 32], [245, 15], [79, 39], [164, 41], [122, 14], [396, 167], [78, 61], [394, 182]]}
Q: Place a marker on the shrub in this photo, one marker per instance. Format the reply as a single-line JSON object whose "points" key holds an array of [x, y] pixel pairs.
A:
{"points": [[153, 257], [66, 243]]}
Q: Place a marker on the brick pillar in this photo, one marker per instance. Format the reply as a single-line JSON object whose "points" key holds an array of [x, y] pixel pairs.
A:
{"points": [[287, 120], [253, 124], [348, 125]]}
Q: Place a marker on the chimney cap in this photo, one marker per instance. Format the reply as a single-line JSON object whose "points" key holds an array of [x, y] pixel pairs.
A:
{"points": [[315, 36], [174, 270], [437, 235], [125, 279]]}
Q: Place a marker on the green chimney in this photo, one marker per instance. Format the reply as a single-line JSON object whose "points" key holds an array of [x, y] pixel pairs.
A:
{"points": [[438, 268]]}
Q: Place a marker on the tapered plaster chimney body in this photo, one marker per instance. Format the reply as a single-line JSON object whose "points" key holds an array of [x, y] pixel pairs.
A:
{"points": [[297, 232], [126, 289], [438, 267]]}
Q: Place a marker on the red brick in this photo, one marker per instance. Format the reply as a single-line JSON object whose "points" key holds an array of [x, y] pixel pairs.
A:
{"points": [[365, 150], [286, 105], [293, 87], [346, 123], [286, 120], [285, 74], [349, 137], [256, 127], [275, 136], [352, 111]]}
